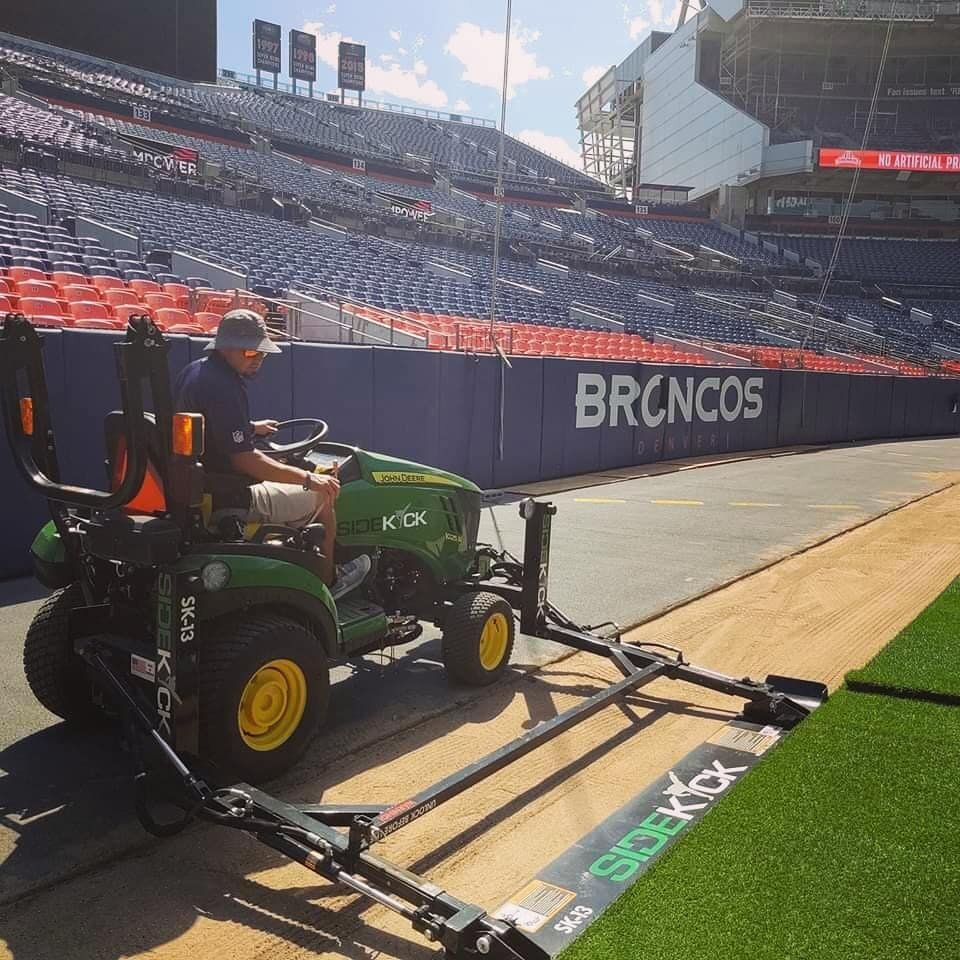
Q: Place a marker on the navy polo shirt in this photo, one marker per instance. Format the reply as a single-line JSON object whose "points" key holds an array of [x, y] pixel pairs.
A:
{"points": [[212, 387]]}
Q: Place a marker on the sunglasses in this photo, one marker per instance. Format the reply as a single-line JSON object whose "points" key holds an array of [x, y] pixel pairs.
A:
{"points": [[250, 354]]}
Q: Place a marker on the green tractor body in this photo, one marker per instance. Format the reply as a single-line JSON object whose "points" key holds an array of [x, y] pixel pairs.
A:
{"points": [[230, 630]]}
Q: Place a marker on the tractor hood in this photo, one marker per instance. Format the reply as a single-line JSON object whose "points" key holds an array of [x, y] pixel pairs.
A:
{"points": [[382, 470]]}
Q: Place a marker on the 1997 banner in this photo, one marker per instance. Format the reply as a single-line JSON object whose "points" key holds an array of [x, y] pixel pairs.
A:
{"points": [[266, 46]]}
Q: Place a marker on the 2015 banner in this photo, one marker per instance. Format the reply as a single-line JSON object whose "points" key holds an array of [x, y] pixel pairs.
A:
{"points": [[352, 66], [895, 160]]}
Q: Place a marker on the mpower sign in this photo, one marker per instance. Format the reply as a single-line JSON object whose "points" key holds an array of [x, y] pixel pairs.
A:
{"points": [[165, 158]]}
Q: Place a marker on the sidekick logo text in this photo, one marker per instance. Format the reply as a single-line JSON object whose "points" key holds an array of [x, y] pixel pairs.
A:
{"points": [[621, 399]]}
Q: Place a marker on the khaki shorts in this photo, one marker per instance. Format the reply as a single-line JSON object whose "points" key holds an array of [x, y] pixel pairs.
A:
{"points": [[287, 503]]}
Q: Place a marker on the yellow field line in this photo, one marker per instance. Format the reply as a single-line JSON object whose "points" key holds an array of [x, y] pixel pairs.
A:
{"points": [[597, 500], [752, 503], [678, 503]]}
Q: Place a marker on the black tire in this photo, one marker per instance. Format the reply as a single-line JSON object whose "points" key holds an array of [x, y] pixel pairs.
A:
{"points": [[462, 634], [230, 656], [56, 675]]}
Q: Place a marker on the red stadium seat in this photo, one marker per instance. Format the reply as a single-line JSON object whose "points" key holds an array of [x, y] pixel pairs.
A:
{"points": [[159, 300], [37, 288], [125, 311], [207, 321], [64, 279], [75, 292], [180, 293], [107, 283], [145, 286], [89, 310], [5, 305], [119, 296], [4, 286], [167, 317], [18, 274], [40, 307]]}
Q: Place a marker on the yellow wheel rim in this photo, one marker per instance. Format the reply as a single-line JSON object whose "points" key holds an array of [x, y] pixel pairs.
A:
{"points": [[272, 705], [493, 641]]}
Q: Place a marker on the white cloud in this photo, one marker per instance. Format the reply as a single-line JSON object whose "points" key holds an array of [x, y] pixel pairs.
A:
{"points": [[387, 57], [554, 146], [651, 15], [405, 85], [592, 74], [419, 42], [480, 52], [387, 78], [395, 36], [402, 51], [461, 106], [332, 8]]}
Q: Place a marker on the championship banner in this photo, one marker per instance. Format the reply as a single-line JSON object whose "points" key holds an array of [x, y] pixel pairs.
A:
{"points": [[352, 66], [165, 157], [302, 56], [266, 46], [410, 207], [893, 160]]}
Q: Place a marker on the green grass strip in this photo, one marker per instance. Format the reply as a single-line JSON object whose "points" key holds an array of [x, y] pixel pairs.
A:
{"points": [[924, 658], [842, 844]]}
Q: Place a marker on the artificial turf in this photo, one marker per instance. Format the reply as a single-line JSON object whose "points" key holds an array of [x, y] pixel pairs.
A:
{"points": [[924, 659], [844, 843]]}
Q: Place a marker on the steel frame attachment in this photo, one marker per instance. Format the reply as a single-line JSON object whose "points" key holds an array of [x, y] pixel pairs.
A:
{"points": [[334, 841]]}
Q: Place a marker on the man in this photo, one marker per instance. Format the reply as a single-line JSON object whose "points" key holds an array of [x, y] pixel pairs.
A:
{"points": [[266, 491]]}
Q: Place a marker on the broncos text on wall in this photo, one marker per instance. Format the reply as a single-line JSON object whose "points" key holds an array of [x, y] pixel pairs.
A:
{"points": [[617, 399]]}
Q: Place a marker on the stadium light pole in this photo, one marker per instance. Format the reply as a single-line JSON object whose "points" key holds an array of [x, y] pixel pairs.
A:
{"points": [[498, 190]]}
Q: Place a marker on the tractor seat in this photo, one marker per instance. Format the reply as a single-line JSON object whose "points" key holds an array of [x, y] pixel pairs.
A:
{"points": [[151, 498]]}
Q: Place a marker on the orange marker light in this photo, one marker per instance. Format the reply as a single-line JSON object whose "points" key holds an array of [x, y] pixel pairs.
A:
{"points": [[26, 415], [188, 434]]}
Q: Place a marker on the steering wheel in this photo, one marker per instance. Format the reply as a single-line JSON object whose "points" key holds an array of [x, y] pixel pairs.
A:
{"points": [[319, 431]]}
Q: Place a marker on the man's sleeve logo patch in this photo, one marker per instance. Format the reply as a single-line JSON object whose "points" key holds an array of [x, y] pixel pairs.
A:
{"points": [[238, 436]]}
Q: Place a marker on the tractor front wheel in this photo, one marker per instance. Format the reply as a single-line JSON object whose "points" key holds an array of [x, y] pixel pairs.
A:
{"points": [[56, 675], [264, 691], [478, 638]]}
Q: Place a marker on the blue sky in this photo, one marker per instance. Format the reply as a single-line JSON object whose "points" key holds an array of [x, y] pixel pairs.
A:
{"points": [[448, 56]]}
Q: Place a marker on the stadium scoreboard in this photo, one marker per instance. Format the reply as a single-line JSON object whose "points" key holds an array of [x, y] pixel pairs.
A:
{"points": [[177, 38]]}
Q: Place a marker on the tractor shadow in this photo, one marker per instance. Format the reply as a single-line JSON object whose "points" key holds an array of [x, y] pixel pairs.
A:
{"points": [[66, 809]]}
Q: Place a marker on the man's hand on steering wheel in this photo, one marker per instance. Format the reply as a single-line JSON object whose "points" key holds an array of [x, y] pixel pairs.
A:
{"points": [[264, 428]]}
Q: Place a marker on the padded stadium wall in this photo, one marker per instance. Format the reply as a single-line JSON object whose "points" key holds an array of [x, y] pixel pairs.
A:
{"points": [[561, 416]]}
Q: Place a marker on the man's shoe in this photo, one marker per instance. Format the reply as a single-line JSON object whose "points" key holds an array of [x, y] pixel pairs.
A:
{"points": [[350, 576]]}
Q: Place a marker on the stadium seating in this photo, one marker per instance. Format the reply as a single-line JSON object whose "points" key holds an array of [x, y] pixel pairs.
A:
{"points": [[61, 277], [883, 261]]}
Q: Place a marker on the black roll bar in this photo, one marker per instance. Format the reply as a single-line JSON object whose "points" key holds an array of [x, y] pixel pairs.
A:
{"points": [[142, 356]]}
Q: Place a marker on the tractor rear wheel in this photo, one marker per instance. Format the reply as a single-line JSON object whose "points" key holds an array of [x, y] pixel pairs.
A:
{"points": [[56, 675], [264, 691], [478, 638]]}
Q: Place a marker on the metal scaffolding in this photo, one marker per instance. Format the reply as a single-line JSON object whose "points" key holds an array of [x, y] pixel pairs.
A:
{"points": [[609, 116]]}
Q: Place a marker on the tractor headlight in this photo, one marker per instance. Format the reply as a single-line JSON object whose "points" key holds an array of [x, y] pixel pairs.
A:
{"points": [[215, 576]]}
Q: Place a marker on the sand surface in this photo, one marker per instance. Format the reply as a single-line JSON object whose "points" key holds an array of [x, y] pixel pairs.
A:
{"points": [[212, 894]]}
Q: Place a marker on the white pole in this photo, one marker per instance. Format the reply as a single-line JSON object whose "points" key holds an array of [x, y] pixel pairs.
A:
{"points": [[498, 190]]}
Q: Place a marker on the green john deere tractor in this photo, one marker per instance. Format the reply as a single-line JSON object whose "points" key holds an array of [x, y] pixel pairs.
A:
{"points": [[228, 634]]}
